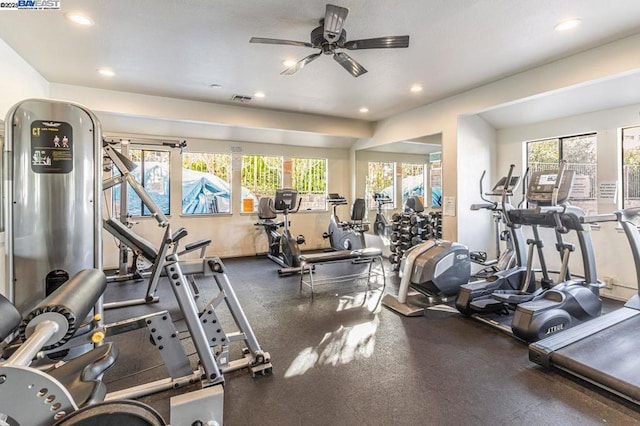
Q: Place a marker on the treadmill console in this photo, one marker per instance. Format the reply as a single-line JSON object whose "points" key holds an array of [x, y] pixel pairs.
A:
{"points": [[285, 198], [542, 184]]}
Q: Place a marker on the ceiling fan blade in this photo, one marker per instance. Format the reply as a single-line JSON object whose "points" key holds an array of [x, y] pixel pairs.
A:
{"points": [[297, 67], [349, 64], [279, 41], [389, 42], [333, 22]]}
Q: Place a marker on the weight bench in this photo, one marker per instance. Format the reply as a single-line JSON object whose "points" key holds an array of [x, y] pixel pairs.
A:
{"points": [[143, 247], [369, 256]]}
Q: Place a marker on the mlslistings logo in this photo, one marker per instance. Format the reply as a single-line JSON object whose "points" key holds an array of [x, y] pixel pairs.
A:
{"points": [[30, 4]]}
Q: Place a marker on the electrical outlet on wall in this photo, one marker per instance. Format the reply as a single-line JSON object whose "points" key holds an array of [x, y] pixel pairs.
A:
{"points": [[608, 281]]}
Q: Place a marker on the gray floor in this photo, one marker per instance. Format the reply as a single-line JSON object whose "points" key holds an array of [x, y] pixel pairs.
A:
{"points": [[337, 360]]}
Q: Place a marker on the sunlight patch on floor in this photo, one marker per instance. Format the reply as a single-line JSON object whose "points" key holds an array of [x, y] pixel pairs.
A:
{"points": [[337, 348]]}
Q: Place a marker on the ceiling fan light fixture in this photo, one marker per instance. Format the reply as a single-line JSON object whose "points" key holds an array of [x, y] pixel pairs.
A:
{"points": [[568, 24], [364, 110], [80, 19], [416, 88]]}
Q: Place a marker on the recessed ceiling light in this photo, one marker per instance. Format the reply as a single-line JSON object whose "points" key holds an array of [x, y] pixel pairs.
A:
{"points": [[79, 19], [215, 86], [416, 88], [106, 72], [258, 95], [568, 24], [289, 62], [364, 110]]}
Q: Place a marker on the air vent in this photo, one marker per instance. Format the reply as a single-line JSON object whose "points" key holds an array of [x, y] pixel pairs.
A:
{"points": [[241, 98]]}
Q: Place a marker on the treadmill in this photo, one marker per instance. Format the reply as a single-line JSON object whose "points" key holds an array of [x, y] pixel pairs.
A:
{"points": [[603, 351]]}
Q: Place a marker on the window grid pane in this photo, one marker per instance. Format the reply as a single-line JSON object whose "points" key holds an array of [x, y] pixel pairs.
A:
{"points": [[261, 176], [380, 179], [412, 181], [309, 177], [580, 152], [631, 167], [153, 174], [206, 183]]}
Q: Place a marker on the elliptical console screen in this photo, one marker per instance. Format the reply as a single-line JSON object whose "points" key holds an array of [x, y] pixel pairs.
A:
{"points": [[499, 186], [542, 183]]}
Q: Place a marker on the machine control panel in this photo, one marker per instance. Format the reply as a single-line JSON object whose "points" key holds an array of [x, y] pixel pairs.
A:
{"points": [[543, 183], [285, 198]]}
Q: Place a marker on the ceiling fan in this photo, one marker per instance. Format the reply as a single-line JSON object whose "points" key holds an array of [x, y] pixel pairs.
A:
{"points": [[330, 36]]}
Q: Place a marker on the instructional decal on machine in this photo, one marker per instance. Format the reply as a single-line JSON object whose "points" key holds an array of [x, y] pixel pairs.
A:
{"points": [[51, 147]]}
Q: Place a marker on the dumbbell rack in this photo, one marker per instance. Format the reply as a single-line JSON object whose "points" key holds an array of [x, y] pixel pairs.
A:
{"points": [[411, 229]]}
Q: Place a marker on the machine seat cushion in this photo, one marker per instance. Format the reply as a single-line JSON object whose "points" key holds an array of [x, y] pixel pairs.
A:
{"points": [[81, 375], [197, 245], [265, 209], [131, 239], [359, 211], [334, 256], [10, 318]]}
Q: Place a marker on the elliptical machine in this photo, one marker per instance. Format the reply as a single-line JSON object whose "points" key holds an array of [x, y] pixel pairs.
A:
{"points": [[347, 235], [284, 249], [512, 294], [381, 225], [505, 259]]}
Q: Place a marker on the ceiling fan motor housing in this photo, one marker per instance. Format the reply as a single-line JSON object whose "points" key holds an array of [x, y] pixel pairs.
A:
{"points": [[318, 40]]}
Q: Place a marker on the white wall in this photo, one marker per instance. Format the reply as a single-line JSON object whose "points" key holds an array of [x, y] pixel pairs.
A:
{"points": [[476, 153], [612, 253], [18, 81]]}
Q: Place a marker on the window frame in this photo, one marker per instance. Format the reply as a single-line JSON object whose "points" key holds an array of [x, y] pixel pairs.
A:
{"points": [[301, 195], [228, 180], [561, 140], [252, 188], [623, 179], [116, 202], [424, 181], [371, 204]]}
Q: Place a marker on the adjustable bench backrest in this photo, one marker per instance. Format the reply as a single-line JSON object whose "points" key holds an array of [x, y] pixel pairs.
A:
{"points": [[131, 239]]}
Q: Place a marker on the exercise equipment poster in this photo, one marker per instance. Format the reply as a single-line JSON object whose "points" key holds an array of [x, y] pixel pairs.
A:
{"points": [[51, 147]]}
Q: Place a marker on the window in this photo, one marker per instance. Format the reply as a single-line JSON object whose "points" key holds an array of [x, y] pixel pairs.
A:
{"points": [[631, 167], [153, 174], [380, 179], [206, 183], [580, 154], [412, 181], [261, 176], [309, 177]]}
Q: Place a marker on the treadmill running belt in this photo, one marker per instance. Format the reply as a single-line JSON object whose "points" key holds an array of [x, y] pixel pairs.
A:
{"points": [[609, 359]]}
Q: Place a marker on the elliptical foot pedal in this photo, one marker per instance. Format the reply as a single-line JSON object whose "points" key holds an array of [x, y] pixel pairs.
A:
{"points": [[487, 305]]}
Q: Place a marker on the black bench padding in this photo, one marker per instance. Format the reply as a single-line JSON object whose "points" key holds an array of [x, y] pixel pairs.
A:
{"points": [[131, 239], [10, 318], [196, 245], [334, 256]]}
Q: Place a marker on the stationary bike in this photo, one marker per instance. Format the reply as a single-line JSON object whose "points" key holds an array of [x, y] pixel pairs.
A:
{"points": [[381, 226], [283, 248], [347, 235]]}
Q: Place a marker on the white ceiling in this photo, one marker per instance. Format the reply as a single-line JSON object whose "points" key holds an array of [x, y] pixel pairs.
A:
{"points": [[178, 48]]}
